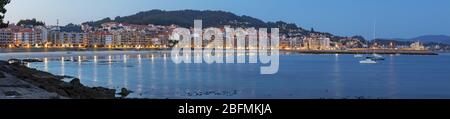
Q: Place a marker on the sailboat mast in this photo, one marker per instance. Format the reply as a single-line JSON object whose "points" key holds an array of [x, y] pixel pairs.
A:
{"points": [[374, 29]]}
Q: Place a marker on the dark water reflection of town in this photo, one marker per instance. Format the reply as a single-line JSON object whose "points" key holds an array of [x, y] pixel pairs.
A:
{"points": [[154, 75]]}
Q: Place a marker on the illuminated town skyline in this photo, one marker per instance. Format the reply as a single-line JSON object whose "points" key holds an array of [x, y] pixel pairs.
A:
{"points": [[394, 19]]}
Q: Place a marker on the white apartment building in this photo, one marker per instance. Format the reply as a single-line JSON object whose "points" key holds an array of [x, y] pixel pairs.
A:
{"points": [[6, 38], [317, 43], [23, 37]]}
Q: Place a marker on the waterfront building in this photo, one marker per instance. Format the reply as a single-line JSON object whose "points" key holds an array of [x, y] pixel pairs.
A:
{"points": [[109, 40], [316, 43], [324, 43], [117, 39], [417, 46], [118, 35], [54, 38], [73, 39], [6, 38], [23, 37], [40, 36], [97, 39]]}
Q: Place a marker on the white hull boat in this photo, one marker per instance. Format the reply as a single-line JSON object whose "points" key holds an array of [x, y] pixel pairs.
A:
{"points": [[358, 56], [367, 61], [377, 56]]}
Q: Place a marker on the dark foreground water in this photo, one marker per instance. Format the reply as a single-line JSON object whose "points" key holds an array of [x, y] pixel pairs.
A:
{"points": [[301, 76]]}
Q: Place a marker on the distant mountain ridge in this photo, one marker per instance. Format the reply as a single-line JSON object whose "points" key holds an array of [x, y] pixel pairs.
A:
{"points": [[444, 39], [433, 42]]}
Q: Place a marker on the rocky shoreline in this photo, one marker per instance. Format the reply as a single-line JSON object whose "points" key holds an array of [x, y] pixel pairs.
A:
{"points": [[20, 82]]}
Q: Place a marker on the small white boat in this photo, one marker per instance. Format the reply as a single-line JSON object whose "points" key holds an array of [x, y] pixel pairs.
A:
{"points": [[367, 61], [358, 56], [377, 56]]}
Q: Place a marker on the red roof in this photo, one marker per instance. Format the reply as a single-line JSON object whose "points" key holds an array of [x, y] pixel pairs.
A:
{"points": [[26, 30]]}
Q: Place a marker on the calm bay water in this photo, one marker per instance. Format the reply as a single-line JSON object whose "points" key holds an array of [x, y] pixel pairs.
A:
{"points": [[152, 74]]}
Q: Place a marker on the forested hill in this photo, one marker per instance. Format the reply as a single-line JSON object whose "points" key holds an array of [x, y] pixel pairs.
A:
{"points": [[185, 18]]}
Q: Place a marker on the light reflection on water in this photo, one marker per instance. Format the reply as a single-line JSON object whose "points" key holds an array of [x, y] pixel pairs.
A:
{"points": [[154, 75]]}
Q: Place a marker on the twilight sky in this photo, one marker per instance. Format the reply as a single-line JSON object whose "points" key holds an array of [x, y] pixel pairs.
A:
{"points": [[393, 18]]}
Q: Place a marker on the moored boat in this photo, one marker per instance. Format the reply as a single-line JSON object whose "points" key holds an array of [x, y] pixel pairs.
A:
{"points": [[367, 61], [375, 58], [358, 56]]}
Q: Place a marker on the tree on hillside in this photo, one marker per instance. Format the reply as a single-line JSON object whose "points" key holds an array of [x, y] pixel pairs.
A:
{"points": [[71, 28], [30, 23], [3, 3]]}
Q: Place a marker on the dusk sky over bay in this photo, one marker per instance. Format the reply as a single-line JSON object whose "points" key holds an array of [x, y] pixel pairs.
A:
{"points": [[393, 18], [224, 58]]}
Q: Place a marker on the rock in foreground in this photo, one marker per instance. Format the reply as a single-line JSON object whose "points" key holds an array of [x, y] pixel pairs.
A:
{"points": [[52, 83]]}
